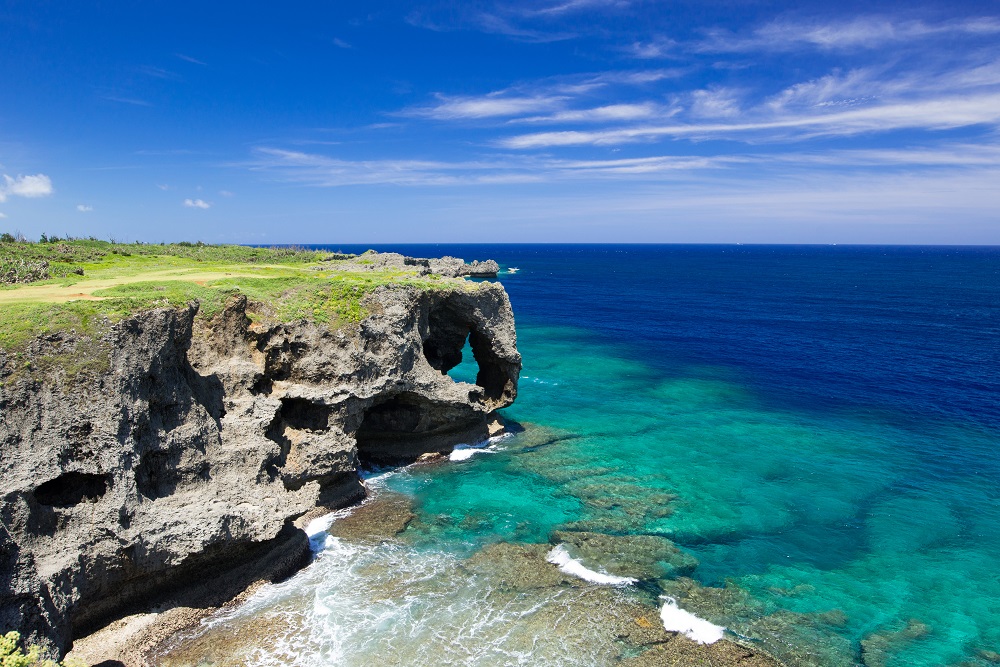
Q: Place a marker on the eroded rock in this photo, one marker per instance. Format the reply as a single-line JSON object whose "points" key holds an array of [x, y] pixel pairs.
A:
{"points": [[189, 449]]}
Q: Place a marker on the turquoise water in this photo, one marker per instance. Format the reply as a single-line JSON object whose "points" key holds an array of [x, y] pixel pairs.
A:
{"points": [[818, 427], [810, 513]]}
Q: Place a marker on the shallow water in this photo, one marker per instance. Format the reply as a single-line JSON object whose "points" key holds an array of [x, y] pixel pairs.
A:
{"points": [[819, 427]]}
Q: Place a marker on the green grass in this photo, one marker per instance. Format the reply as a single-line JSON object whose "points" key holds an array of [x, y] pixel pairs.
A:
{"points": [[67, 256], [281, 285]]}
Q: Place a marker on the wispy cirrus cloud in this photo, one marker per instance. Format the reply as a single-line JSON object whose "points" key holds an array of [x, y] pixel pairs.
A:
{"points": [[934, 114], [490, 22], [84, 208], [189, 59], [492, 105], [312, 169], [159, 73], [569, 6], [865, 32], [324, 171], [554, 97], [657, 48], [609, 112], [533, 23], [132, 101]]}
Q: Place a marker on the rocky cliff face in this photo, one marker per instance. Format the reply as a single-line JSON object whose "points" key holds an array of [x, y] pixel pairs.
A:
{"points": [[186, 456]]}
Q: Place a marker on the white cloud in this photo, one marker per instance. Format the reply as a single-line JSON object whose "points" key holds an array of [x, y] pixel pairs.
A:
{"points": [[952, 162], [83, 208], [2, 215], [323, 171], [163, 186], [865, 32], [610, 112], [159, 73], [661, 47], [494, 23], [225, 193], [934, 114], [38, 185], [189, 59], [576, 5], [128, 100], [493, 105], [855, 86], [197, 203], [715, 103], [554, 95]]}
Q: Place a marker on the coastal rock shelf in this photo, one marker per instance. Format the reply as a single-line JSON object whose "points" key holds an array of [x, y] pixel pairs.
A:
{"points": [[175, 472]]}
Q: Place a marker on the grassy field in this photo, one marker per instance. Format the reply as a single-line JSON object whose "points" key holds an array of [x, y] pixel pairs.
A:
{"points": [[83, 285]]}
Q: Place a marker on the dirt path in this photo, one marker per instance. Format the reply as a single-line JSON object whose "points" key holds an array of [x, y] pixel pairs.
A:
{"points": [[84, 289]]}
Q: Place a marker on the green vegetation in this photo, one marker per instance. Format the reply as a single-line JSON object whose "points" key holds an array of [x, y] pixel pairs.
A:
{"points": [[89, 284], [12, 656]]}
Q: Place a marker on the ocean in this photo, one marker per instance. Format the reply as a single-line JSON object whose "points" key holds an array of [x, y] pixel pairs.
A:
{"points": [[816, 429]]}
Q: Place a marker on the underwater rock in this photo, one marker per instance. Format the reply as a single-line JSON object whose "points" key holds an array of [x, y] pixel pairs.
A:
{"points": [[877, 647], [518, 567]]}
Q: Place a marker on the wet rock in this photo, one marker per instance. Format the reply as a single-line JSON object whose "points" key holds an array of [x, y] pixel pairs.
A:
{"points": [[383, 517], [637, 556], [803, 640], [518, 567]]}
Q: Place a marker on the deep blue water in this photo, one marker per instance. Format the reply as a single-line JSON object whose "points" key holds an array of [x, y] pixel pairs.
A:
{"points": [[830, 418], [909, 329], [819, 426]]}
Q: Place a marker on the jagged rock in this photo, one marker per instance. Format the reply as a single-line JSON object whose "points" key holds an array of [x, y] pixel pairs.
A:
{"points": [[450, 267], [192, 446], [385, 517]]}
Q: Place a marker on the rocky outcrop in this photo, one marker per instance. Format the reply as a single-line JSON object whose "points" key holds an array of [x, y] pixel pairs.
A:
{"points": [[195, 444], [450, 267]]}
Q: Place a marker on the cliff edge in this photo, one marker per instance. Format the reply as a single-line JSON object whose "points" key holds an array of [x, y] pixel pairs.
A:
{"points": [[179, 449]]}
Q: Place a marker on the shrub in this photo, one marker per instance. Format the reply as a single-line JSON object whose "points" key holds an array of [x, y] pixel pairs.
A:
{"points": [[12, 656]]}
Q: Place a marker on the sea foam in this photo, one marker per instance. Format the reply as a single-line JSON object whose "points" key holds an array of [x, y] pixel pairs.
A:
{"points": [[464, 452], [676, 619], [561, 559]]}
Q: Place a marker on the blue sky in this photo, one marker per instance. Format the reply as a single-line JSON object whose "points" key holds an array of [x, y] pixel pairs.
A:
{"points": [[482, 121]]}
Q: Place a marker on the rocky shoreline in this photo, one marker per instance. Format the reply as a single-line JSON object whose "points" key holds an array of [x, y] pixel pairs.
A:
{"points": [[619, 621], [170, 471]]}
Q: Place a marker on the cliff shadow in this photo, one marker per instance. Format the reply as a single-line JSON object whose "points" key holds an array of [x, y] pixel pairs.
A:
{"points": [[398, 429]]}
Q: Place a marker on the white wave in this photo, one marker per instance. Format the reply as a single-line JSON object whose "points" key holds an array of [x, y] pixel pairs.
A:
{"points": [[375, 479], [676, 619], [560, 557], [465, 452]]}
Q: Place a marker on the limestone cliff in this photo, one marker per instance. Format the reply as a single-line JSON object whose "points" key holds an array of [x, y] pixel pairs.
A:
{"points": [[186, 453]]}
